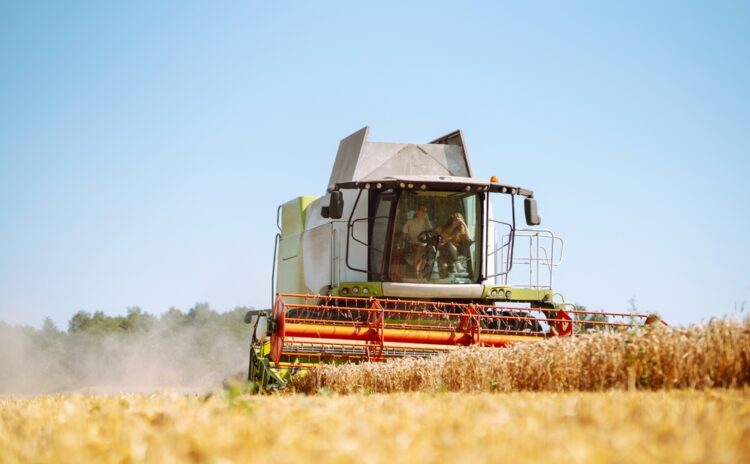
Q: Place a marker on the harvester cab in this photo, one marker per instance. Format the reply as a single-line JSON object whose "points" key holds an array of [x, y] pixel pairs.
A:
{"points": [[407, 254]]}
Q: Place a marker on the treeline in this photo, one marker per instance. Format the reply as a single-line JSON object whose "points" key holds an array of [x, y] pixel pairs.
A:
{"points": [[196, 349], [199, 316]]}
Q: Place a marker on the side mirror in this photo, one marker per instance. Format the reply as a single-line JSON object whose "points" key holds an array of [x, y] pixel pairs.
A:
{"points": [[253, 313], [336, 207], [529, 207]]}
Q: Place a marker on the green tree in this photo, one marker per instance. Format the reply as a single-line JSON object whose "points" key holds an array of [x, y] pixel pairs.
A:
{"points": [[137, 320], [79, 322], [589, 321]]}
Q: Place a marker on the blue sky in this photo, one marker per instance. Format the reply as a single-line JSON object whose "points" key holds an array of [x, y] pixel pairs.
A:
{"points": [[145, 146]]}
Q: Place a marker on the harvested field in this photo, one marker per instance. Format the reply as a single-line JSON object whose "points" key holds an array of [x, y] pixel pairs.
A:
{"points": [[707, 356], [678, 426]]}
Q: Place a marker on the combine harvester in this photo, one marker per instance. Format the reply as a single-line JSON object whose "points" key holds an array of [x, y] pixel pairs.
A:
{"points": [[409, 254]]}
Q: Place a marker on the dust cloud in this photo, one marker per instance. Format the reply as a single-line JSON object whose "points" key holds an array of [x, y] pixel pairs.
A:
{"points": [[163, 356]]}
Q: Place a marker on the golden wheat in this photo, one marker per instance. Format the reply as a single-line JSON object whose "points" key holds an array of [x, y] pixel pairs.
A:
{"points": [[707, 356], [709, 425], [678, 426]]}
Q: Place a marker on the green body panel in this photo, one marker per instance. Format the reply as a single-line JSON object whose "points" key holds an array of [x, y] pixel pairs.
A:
{"points": [[363, 289], [491, 292], [290, 269], [263, 375], [519, 294]]}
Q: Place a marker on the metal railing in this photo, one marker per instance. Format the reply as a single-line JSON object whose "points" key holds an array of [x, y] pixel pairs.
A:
{"points": [[531, 264]]}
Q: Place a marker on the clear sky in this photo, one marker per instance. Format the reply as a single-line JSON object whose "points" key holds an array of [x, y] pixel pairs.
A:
{"points": [[145, 146]]}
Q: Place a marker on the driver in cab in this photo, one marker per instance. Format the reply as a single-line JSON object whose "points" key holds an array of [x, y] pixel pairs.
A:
{"points": [[412, 228]]}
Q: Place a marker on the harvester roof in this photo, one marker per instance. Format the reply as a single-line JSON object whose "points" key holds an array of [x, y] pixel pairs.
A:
{"points": [[442, 164], [427, 182], [358, 160]]}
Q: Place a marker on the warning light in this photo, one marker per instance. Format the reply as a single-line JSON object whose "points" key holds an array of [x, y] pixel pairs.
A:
{"points": [[493, 179]]}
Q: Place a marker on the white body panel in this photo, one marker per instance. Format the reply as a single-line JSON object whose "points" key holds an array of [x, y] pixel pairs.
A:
{"points": [[324, 244], [425, 290]]}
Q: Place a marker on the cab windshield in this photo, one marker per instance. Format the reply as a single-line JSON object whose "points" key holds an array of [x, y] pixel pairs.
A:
{"points": [[436, 237]]}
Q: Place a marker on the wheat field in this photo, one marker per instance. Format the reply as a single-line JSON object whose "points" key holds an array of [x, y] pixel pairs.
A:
{"points": [[679, 426], [663, 395], [714, 355]]}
